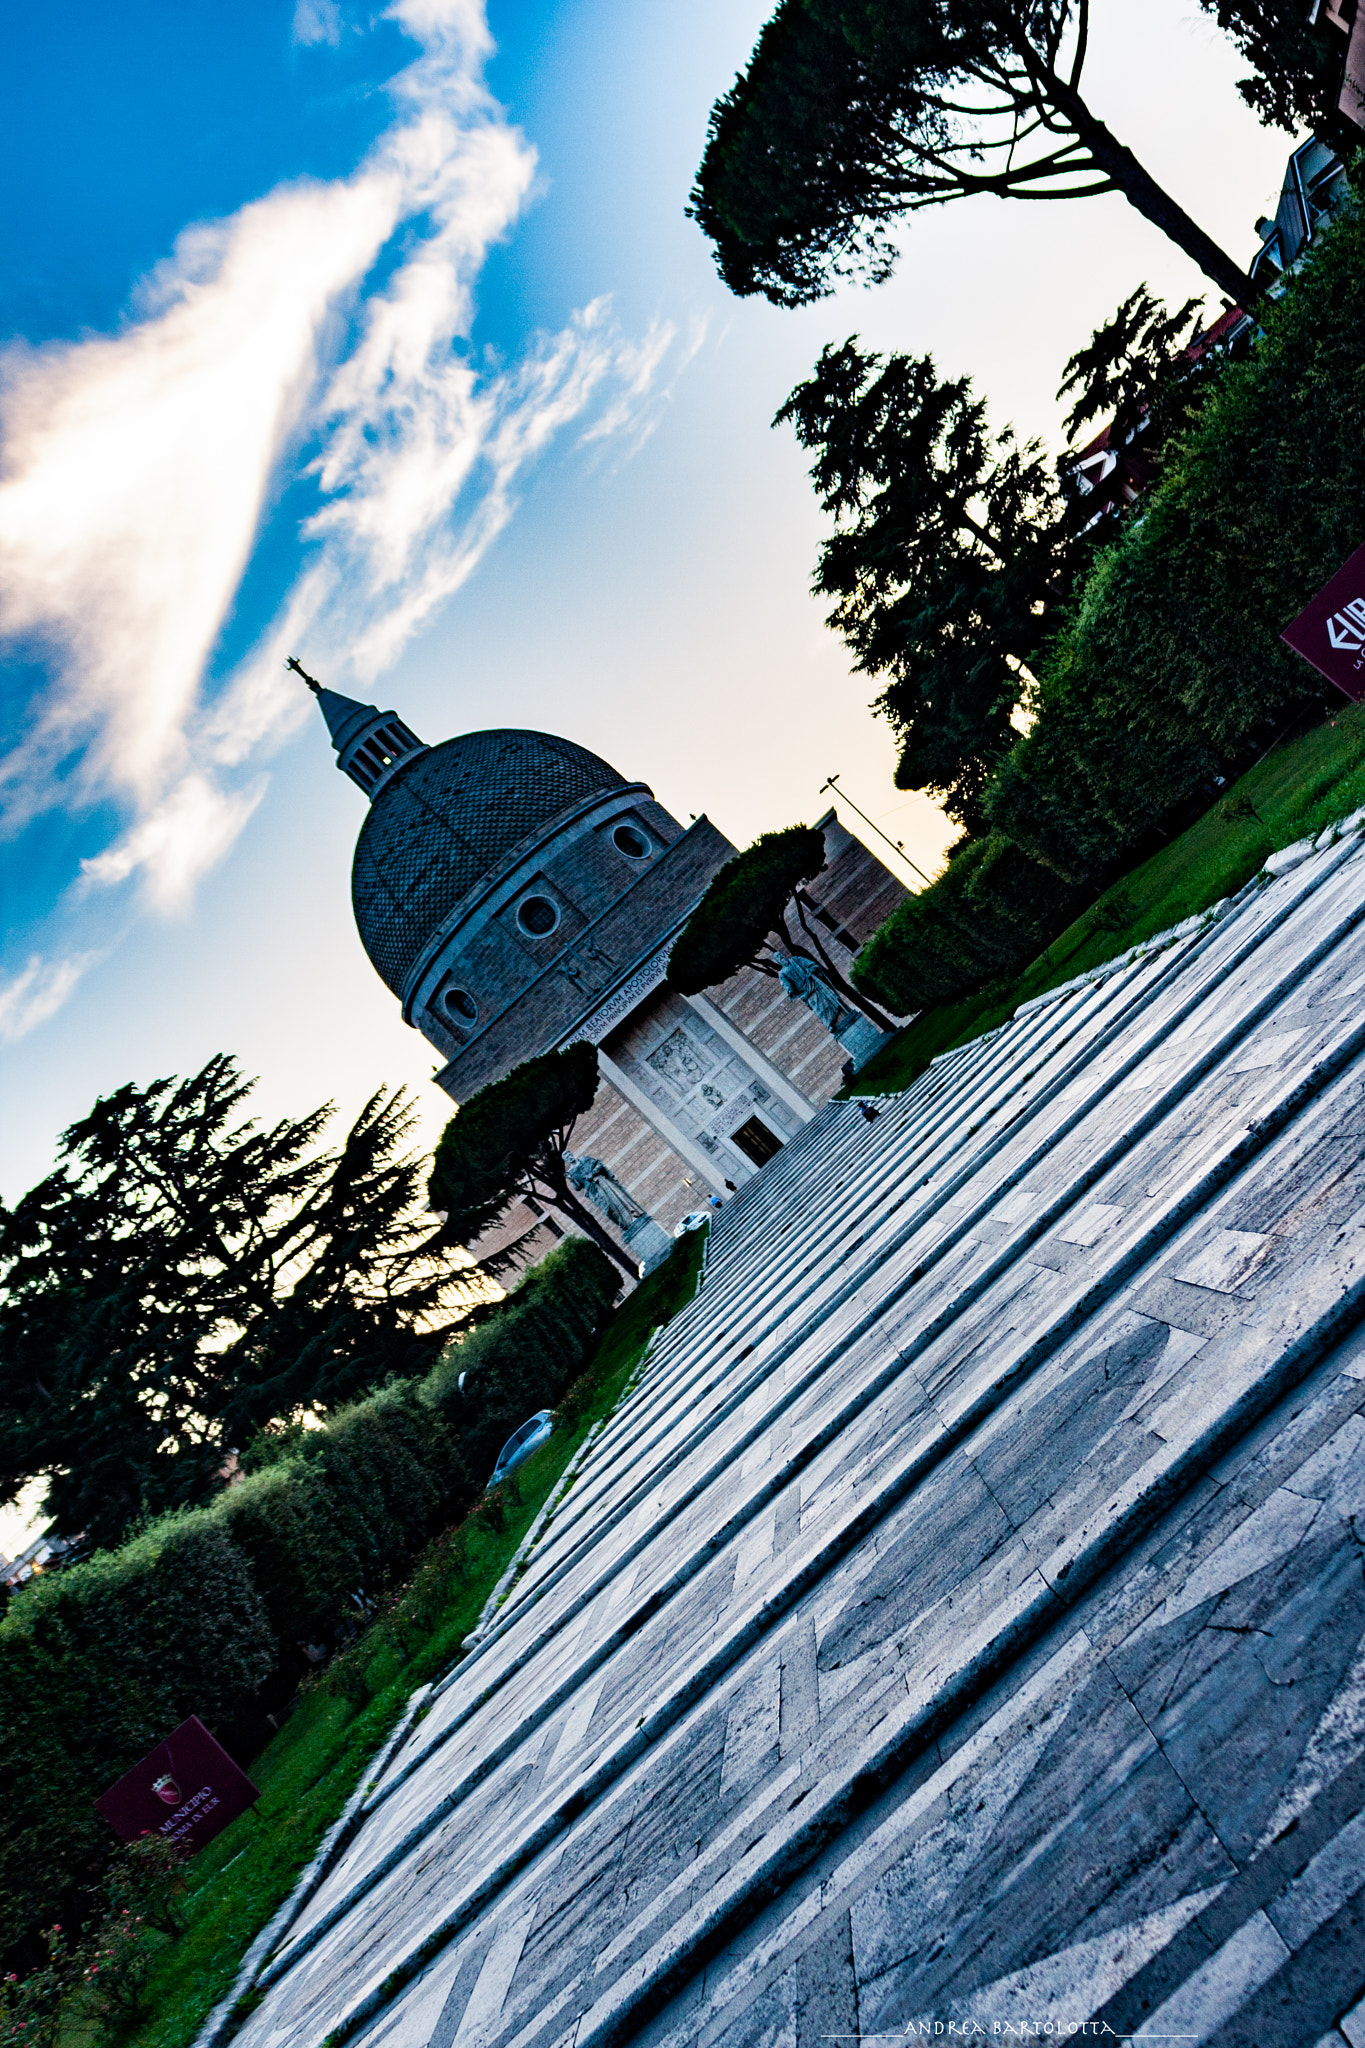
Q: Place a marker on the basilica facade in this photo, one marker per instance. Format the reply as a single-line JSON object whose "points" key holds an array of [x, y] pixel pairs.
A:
{"points": [[516, 893]]}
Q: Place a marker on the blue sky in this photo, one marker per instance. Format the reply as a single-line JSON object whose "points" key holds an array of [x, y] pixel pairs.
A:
{"points": [[379, 335]]}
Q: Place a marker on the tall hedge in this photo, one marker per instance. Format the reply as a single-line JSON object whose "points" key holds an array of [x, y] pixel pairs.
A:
{"points": [[391, 1477], [992, 911], [524, 1359], [99, 1662], [1172, 668], [284, 1522]]}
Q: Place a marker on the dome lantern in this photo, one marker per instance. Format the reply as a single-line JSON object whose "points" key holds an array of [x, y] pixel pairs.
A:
{"points": [[371, 745]]}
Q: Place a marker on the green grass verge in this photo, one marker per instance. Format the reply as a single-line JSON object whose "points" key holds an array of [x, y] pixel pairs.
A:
{"points": [[1303, 785], [308, 1771]]}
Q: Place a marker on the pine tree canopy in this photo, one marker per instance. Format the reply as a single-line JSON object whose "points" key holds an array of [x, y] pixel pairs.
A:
{"points": [[185, 1276], [1296, 52], [744, 910], [508, 1141], [855, 112], [1143, 373], [744, 918]]}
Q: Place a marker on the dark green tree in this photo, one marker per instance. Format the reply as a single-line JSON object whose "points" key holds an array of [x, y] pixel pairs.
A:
{"points": [[853, 113], [951, 551], [508, 1142], [1297, 57], [1145, 373], [743, 919], [184, 1276]]}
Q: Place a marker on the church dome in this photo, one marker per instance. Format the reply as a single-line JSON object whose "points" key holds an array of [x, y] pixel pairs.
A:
{"points": [[447, 818]]}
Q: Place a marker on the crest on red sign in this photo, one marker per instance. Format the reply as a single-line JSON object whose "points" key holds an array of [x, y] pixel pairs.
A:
{"points": [[186, 1791]]}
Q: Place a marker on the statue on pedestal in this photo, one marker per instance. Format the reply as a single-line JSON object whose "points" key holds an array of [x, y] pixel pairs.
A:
{"points": [[644, 1237], [805, 984], [595, 1180]]}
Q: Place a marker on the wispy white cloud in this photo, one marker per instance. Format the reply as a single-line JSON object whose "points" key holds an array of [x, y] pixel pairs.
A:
{"points": [[317, 21], [138, 466], [184, 834], [37, 991], [642, 392], [136, 469]]}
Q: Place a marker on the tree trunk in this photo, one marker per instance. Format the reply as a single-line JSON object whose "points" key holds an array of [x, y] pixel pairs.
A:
{"points": [[1141, 190], [568, 1205]]}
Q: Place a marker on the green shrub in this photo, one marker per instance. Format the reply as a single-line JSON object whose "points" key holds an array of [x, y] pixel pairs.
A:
{"points": [[35, 2009], [927, 951], [301, 1558], [97, 1664], [330, 1511], [989, 912], [88, 1987], [392, 1475], [526, 1356], [1097, 769]]}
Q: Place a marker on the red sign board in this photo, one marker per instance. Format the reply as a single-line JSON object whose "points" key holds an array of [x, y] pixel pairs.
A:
{"points": [[186, 1791], [1331, 632]]}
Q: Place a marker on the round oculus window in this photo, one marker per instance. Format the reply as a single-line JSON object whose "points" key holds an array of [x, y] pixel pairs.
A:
{"points": [[631, 841], [537, 916], [461, 1005]]}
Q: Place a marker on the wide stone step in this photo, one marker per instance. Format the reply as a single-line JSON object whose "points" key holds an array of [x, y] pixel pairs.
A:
{"points": [[1099, 1083], [957, 1403], [877, 1667]]}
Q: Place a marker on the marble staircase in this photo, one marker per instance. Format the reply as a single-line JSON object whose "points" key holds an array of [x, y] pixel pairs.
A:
{"points": [[962, 1623]]}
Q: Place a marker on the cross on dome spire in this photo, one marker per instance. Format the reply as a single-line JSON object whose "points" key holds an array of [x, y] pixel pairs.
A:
{"points": [[299, 670], [371, 745]]}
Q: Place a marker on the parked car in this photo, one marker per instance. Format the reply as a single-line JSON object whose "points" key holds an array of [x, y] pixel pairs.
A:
{"points": [[522, 1442]]}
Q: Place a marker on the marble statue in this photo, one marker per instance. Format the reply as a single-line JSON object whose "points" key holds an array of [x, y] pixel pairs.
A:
{"points": [[595, 1180]]}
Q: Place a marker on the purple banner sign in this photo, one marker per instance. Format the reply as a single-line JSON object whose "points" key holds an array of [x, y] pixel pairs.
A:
{"points": [[1330, 632], [186, 1791]]}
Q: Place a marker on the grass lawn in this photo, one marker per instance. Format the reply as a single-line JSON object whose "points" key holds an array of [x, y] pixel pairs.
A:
{"points": [[1300, 787], [308, 1771]]}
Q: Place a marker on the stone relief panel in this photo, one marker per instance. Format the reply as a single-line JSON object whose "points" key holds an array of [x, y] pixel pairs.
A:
{"points": [[703, 1087], [680, 1061]]}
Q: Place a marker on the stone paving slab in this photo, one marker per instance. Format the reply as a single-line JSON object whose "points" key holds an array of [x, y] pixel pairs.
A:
{"points": [[965, 1611], [1218, 969], [659, 1503], [1149, 1840]]}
